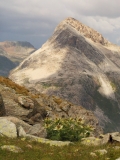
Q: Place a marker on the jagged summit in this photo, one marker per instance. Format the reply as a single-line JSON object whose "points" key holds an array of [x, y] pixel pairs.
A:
{"points": [[86, 31], [76, 63]]}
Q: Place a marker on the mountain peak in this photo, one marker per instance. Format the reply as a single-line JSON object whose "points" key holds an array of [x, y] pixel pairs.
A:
{"points": [[86, 31], [78, 64]]}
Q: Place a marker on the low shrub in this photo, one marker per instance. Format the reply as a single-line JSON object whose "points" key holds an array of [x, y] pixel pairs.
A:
{"points": [[66, 129]]}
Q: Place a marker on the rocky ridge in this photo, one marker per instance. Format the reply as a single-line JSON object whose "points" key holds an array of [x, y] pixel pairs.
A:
{"points": [[16, 51], [79, 65], [87, 31], [12, 53]]}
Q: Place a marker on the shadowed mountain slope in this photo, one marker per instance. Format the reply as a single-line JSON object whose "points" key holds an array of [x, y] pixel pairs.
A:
{"points": [[5, 65], [80, 65]]}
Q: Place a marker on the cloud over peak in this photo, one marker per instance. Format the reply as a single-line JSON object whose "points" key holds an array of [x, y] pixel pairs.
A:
{"points": [[35, 20]]}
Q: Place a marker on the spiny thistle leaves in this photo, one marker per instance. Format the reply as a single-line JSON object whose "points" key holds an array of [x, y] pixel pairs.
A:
{"points": [[66, 129]]}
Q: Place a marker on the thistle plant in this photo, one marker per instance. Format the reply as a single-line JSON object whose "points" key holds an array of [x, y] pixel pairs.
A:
{"points": [[66, 129]]}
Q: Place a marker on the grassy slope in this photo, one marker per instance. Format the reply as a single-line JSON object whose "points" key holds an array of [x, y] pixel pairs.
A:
{"points": [[45, 152]]}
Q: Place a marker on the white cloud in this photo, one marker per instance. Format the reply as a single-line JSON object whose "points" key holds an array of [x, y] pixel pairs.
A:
{"points": [[36, 17], [104, 8]]}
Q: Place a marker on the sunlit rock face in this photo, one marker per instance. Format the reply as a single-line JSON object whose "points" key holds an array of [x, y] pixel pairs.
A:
{"points": [[77, 63]]}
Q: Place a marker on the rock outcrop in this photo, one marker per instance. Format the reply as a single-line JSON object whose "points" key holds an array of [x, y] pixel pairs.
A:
{"points": [[109, 138], [14, 108], [7, 128], [87, 31], [21, 128], [28, 110], [79, 65]]}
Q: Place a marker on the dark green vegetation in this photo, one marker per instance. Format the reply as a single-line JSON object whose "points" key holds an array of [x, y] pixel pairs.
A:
{"points": [[38, 151], [69, 129], [46, 85]]}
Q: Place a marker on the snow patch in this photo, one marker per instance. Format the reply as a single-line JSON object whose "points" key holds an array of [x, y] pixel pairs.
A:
{"points": [[106, 88]]}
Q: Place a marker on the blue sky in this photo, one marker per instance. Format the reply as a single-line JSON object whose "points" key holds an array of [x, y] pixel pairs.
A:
{"points": [[34, 20]]}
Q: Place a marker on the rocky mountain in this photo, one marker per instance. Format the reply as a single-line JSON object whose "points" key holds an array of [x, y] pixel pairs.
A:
{"points": [[12, 53], [5, 65], [28, 110], [78, 64]]}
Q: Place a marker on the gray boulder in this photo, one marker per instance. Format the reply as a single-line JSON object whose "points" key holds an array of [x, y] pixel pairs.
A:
{"points": [[102, 139], [47, 141], [26, 102], [12, 148], [21, 132], [38, 130], [23, 107], [111, 137], [24, 128], [7, 128], [19, 123]]}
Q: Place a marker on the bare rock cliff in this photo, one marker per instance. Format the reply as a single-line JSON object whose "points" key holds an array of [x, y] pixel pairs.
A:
{"points": [[87, 31]]}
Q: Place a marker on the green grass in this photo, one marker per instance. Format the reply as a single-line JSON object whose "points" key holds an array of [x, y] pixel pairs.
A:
{"points": [[47, 85], [39, 151]]}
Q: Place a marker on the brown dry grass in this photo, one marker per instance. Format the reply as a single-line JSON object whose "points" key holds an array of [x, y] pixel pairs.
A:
{"points": [[19, 89], [39, 151], [9, 83], [58, 100]]}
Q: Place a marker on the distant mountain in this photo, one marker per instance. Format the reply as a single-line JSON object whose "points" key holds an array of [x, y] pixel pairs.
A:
{"points": [[12, 53], [5, 65], [77, 63]]}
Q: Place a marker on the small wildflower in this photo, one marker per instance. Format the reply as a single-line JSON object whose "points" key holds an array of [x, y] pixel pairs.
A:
{"points": [[58, 127]]}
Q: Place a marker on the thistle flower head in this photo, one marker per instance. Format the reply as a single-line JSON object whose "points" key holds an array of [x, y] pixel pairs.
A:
{"points": [[58, 127]]}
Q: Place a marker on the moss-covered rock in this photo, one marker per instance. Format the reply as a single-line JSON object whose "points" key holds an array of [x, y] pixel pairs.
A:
{"points": [[11, 148], [7, 128]]}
